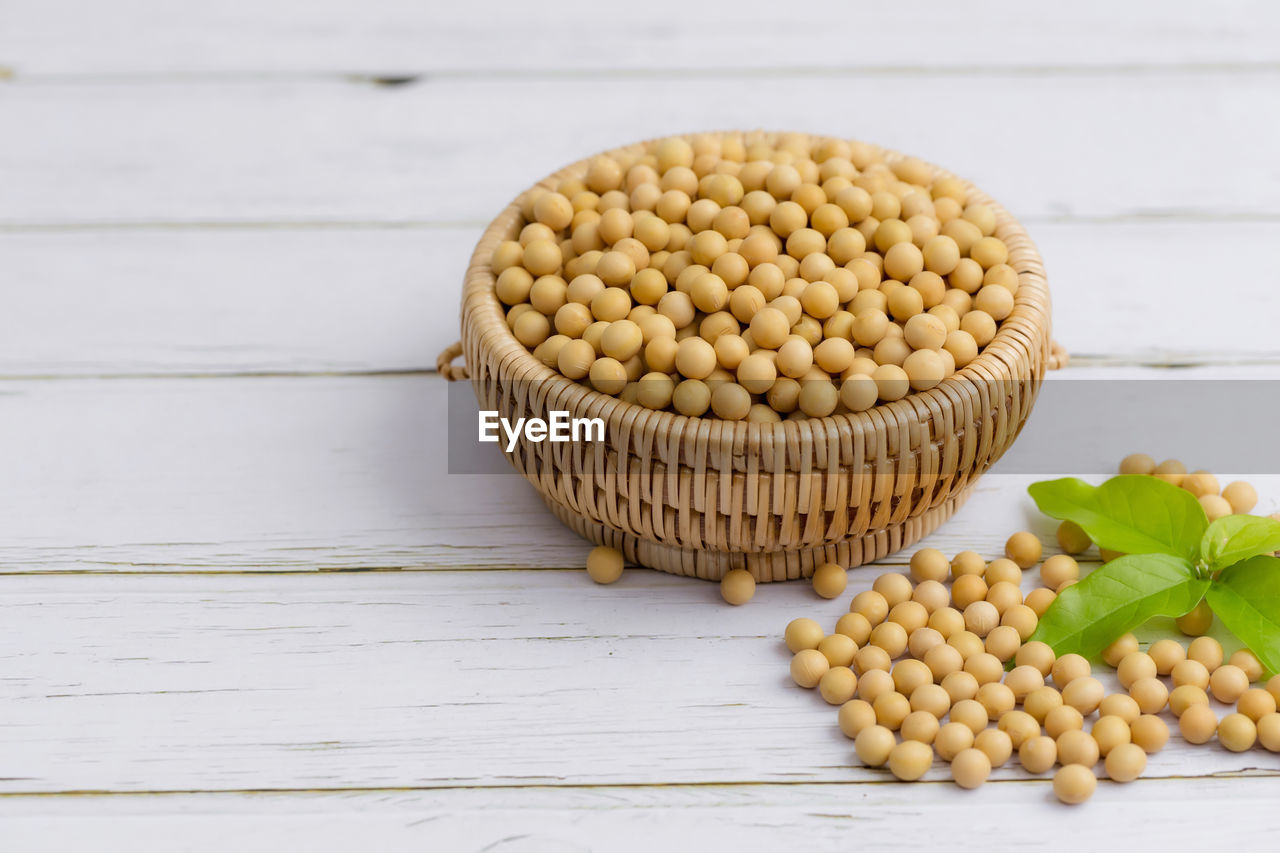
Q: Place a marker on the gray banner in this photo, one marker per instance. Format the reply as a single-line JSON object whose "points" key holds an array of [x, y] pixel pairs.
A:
{"points": [[1078, 427]]}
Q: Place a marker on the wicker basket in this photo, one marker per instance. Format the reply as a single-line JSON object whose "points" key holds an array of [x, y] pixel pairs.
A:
{"points": [[701, 496]]}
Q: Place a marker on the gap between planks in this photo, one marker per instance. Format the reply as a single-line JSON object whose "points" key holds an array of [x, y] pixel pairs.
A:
{"points": [[1162, 361], [896, 560], [18, 226], [420, 75], [609, 786]]}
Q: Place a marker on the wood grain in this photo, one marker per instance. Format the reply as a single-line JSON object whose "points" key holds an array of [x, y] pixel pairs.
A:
{"points": [[457, 150], [144, 37], [194, 194], [741, 817], [236, 301], [443, 679]]}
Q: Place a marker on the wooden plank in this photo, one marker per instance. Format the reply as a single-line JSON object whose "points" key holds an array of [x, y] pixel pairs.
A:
{"points": [[302, 474], [400, 36], [446, 679], [752, 817], [237, 301], [456, 150], [159, 301]]}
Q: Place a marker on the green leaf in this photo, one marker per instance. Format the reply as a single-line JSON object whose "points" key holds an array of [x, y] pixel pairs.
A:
{"points": [[1233, 538], [1246, 597], [1132, 514], [1087, 617]]}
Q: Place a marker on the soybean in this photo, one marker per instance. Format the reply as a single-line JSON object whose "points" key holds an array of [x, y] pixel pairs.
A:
{"points": [[808, 253]]}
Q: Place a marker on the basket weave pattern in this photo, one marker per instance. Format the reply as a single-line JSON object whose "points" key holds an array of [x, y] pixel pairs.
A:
{"points": [[701, 496]]}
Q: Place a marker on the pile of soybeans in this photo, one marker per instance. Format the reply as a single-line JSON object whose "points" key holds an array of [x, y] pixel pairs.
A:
{"points": [[939, 663], [755, 276], [918, 668]]}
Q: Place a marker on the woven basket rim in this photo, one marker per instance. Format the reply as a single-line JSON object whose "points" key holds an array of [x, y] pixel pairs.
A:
{"points": [[1027, 324]]}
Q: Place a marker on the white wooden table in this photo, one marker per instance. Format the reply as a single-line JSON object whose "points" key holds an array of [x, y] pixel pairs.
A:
{"points": [[243, 605]]}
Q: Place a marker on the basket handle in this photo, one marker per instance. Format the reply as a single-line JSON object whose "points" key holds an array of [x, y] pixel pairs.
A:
{"points": [[445, 366], [1058, 356]]}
